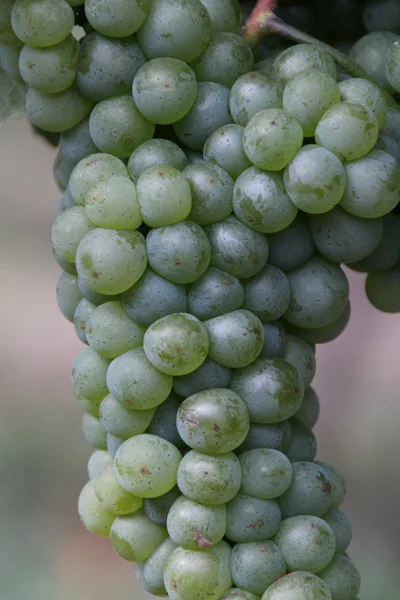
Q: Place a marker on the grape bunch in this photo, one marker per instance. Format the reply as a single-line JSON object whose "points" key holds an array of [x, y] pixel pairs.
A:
{"points": [[209, 201]]}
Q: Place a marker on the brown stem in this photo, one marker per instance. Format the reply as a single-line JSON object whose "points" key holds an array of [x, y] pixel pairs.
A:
{"points": [[256, 27]]}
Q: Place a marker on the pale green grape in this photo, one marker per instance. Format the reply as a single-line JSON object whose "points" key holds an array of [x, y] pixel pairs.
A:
{"points": [[50, 70], [303, 445], [309, 492], [110, 261], [113, 204], [134, 537], [215, 293], [112, 496], [274, 340], [275, 436], [236, 338], [164, 90], [62, 169], [150, 573], [113, 443], [135, 383], [370, 52], [213, 421], [163, 423], [308, 412], [43, 22], [293, 246], [65, 265], [372, 185], [251, 519], [157, 509], [68, 295], [56, 112], [260, 201], [92, 170], [382, 289], [251, 93], [267, 294], [208, 376], [298, 586], [267, 473], [341, 527], [9, 60], [300, 354], [224, 147], [389, 145], [95, 297], [211, 191], [107, 66], [238, 594], [166, 298], [366, 93], [193, 525], [89, 371], [180, 29], [271, 139], [81, 315], [381, 15], [121, 422], [146, 465], [76, 143], [98, 462], [93, 432], [342, 578], [88, 406], [120, 19], [387, 252], [7, 35], [299, 58], [236, 249], [193, 156], [181, 253], [320, 293], [224, 14], [94, 517], [391, 125], [153, 153], [117, 127], [337, 481], [209, 112], [255, 566], [68, 230]]}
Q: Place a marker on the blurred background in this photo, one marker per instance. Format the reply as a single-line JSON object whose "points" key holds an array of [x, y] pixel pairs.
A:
{"points": [[45, 552]]}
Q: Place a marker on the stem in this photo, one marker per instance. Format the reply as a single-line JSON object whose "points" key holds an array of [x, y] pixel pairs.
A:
{"points": [[256, 27]]}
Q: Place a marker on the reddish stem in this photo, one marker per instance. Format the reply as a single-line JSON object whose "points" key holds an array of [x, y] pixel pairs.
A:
{"points": [[254, 30]]}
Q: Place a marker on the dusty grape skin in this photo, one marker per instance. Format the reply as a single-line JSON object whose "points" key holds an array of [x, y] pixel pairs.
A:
{"points": [[112, 496], [303, 444], [91, 170], [134, 537], [337, 480], [370, 52], [113, 443], [150, 573], [57, 112], [252, 519], [98, 462], [89, 372], [81, 316], [275, 436], [93, 432], [42, 23], [308, 412], [267, 473], [121, 422], [211, 189], [224, 147], [293, 246], [322, 335], [121, 19], [76, 144], [214, 294], [255, 566], [342, 578], [68, 295], [341, 527], [156, 151], [237, 594], [267, 294], [157, 509], [365, 92], [387, 251], [309, 492], [163, 423], [224, 14], [113, 204], [209, 375], [298, 58], [290, 586], [253, 92], [194, 526], [94, 517], [68, 230], [300, 354], [274, 340]]}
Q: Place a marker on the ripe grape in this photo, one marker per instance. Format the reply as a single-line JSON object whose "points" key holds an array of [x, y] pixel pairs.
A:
{"points": [[98, 462], [299, 58], [42, 23], [342, 578], [275, 436], [300, 354], [211, 192], [192, 525], [302, 445], [309, 410], [68, 295], [157, 509], [121, 422], [267, 294], [337, 480], [95, 518], [253, 92], [81, 315], [255, 566], [89, 371], [155, 152], [214, 294], [382, 289], [134, 537], [309, 492], [224, 148], [93, 432], [298, 586], [113, 204], [57, 112], [267, 473], [150, 573], [120, 19], [163, 423], [362, 91], [112, 496], [341, 527], [90, 171], [252, 519]]}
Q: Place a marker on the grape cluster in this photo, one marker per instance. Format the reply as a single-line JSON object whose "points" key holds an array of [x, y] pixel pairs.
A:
{"points": [[208, 204]]}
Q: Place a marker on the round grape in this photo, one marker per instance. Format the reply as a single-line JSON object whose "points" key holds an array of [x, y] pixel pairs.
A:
{"points": [[224, 148], [121, 19], [253, 92], [211, 191], [113, 204], [134, 537], [42, 23], [298, 586], [95, 518], [155, 152], [193, 525], [251, 519], [255, 566], [214, 294], [267, 473], [267, 294], [121, 422]]}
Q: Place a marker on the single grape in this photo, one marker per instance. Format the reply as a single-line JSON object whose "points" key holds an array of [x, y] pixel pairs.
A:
{"points": [[251, 519], [68, 295], [267, 473], [89, 371], [370, 53], [224, 148], [309, 492], [95, 297], [7, 35], [113, 443], [208, 376], [255, 566], [387, 252], [298, 586], [65, 265], [382, 289], [389, 145], [68, 230], [93, 432], [293, 246], [155, 152], [253, 92], [150, 573], [275, 436], [308, 412], [134, 537], [121, 19], [267, 294], [121, 422], [211, 191], [81, 316], [112, 496], [163, 423], [274, 340], [113, 204], [214, 294], [299, 58], [303, 445], [337, 480], [366, 93], [300, 354], [42, 23], [90, 171], [342, 578], [95, 518], [192, 525], [157, 509], [98, 462], [224, 15], [56, 112], [76, 144], [341, 527]]}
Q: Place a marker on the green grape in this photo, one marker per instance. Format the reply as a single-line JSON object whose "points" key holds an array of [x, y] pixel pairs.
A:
{"points": [[7, 35], [113, 443], [50, 70], [274, 340], [176, 344], [389, 145], [251, 93], [198, 574], [134, 537], [164, 90], [387, 252], [267, 294], [224, 15], [181, 252], [348, 130], [337, 481], [147, 465], [113, 204], [95, 297], [121, 422], [224, 148], [110, 261], [300, 354], [298, 586], [88, 406], [56, 112], [300, 58], [112, 496], [391, 125], [306, 542], [238, 594], [251, 519], [68, 230], [66, 201], [236, 338], [341, 527], [382, 289], [343, 237], [308, 95], [309, 492], [303, 445], [120, 19], [260, 201], [93, 432], [308, 412], [76, 143], [89, 371], [163, 423], [180, 29], [272, 390], [370, 53], [92, 170], [9, 60], [117, 127], [213, 421], [62, 169], [135, 383], [166, 298], [372, 186], [209, 112], [381, 15], [164, 196], [271, 139], [107, 66], [98, 462], [92, 514], [208, 376], [275, 436], [81, 315], [68, 295], [320, 293], [255, 566], [157, 509], [155, 152], [214, 294], [211, 190], [194, 156], [267, 473], [342, 578], [150, 573], [236, 249], [293, 246], [192, 525], [366, 93], [42, 23]]}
